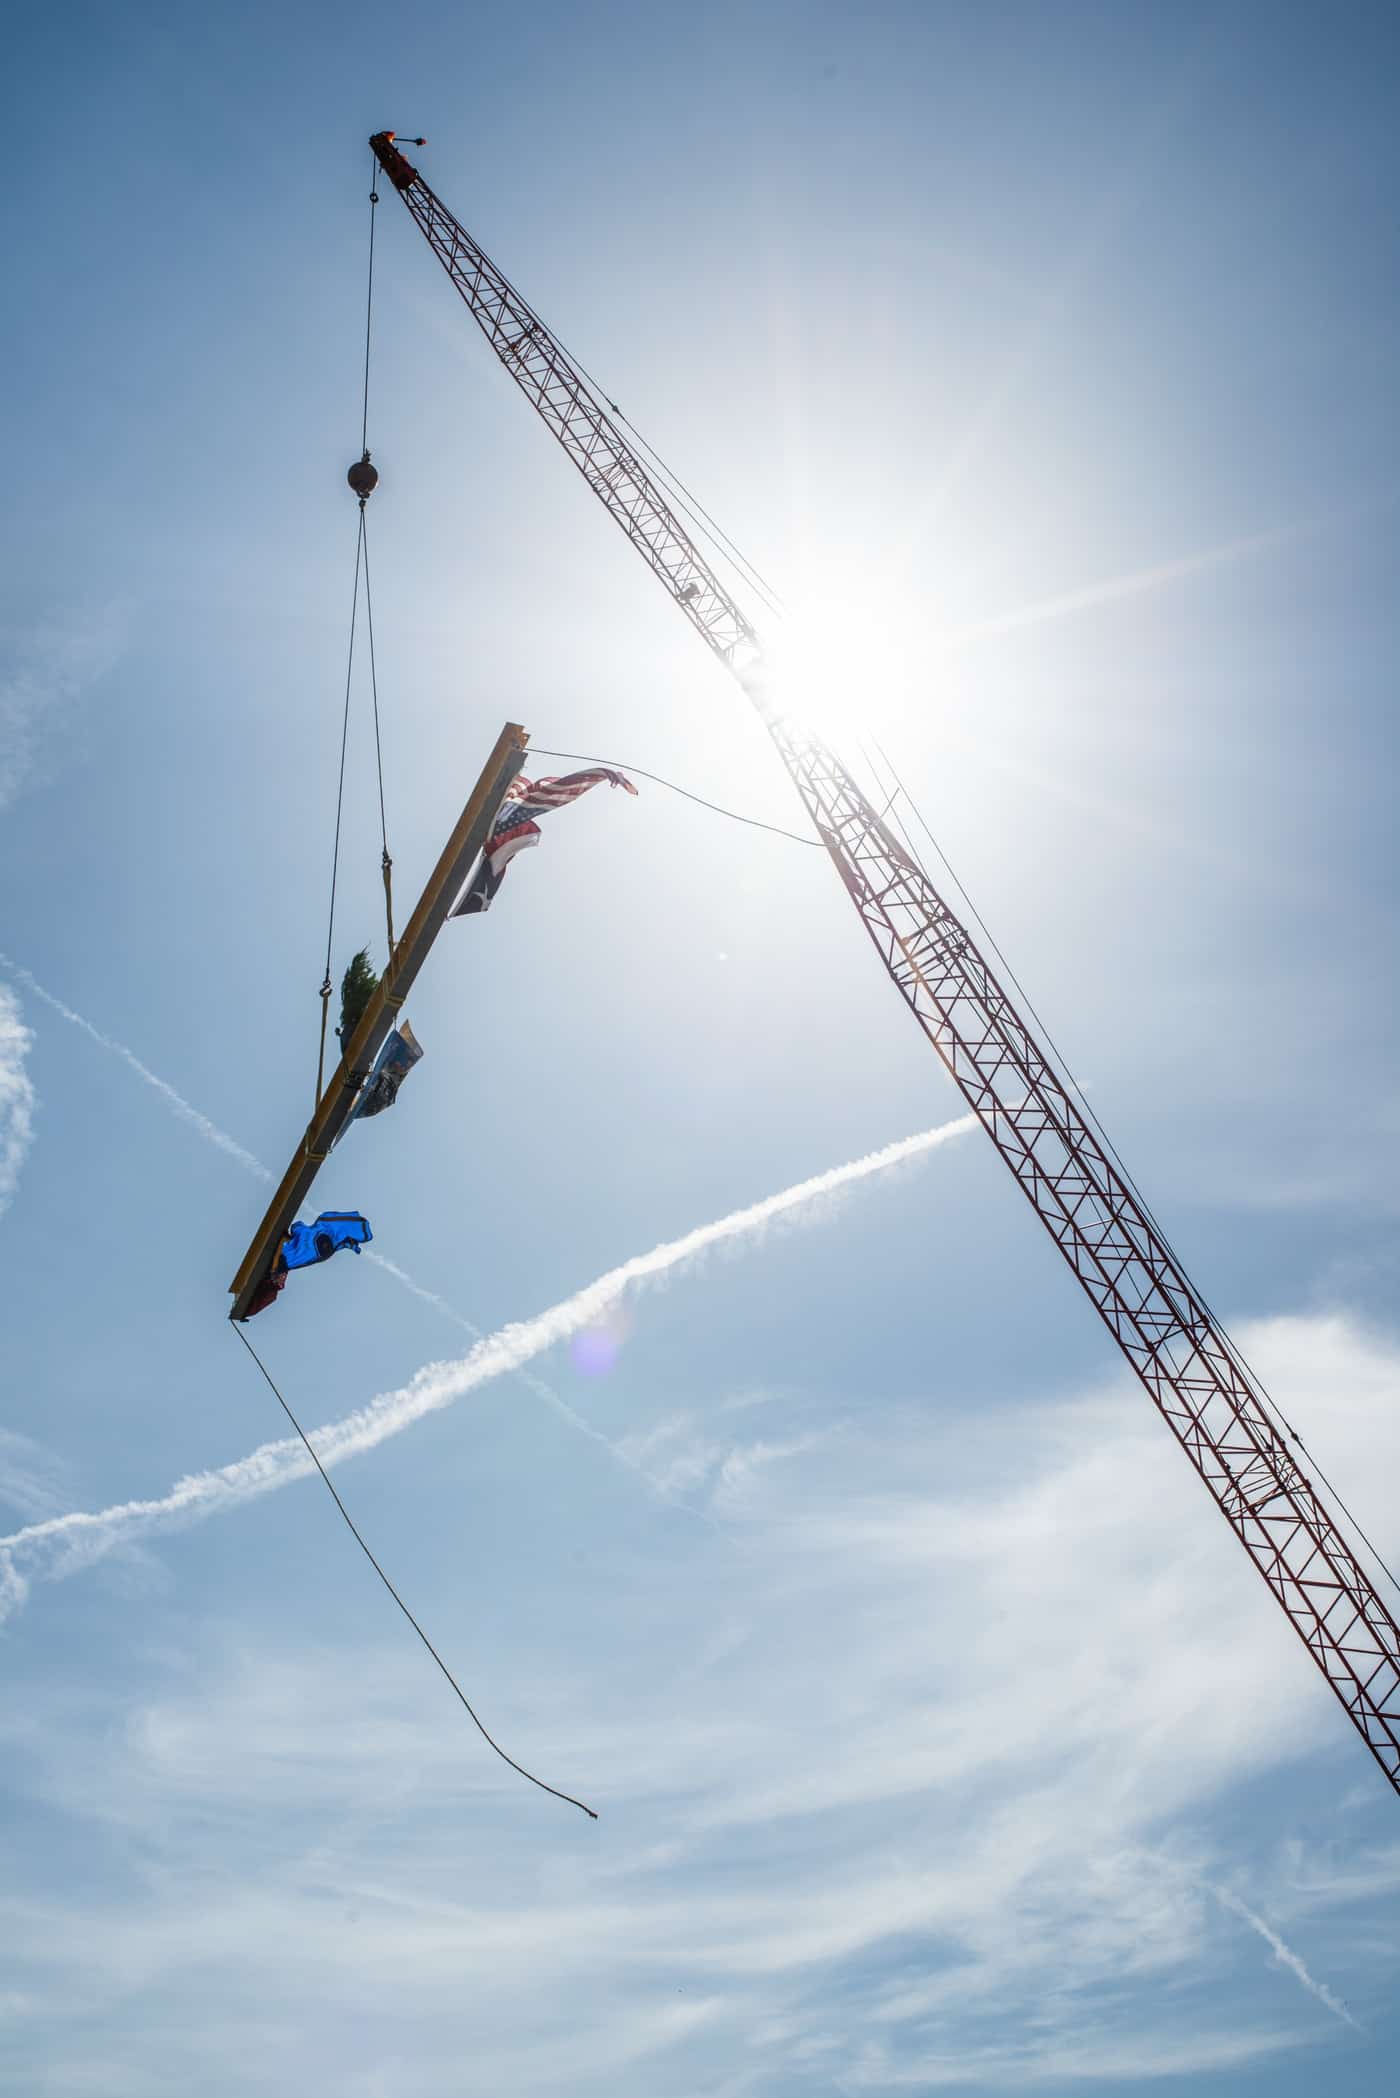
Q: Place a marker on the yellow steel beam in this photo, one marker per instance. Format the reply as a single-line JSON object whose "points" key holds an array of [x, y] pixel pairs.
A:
{"points": [[333, 1109]]}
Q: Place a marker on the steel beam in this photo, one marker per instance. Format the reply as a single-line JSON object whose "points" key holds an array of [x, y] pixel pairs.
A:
{"points": [[445, 885]]}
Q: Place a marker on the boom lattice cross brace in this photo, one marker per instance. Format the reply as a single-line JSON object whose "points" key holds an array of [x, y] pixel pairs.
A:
{"points": [[1117, 1255]]}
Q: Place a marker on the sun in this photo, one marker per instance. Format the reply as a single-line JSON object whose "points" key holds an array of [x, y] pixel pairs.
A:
{"points": [[848, 665]]}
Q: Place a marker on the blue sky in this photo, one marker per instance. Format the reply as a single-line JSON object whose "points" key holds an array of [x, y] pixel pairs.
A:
{"points": [[942, 1737]]}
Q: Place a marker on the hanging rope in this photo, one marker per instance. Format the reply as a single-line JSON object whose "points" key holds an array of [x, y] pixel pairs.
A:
{"points": [[386, 863], [326, 985], [615, 764], [363, 479], [567, 1797], [369, 303]]}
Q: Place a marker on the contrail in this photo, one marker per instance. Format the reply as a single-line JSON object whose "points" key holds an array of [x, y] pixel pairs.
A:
{"points": [[65, 1544], [527, 1377], [1285, 1956], [19, 1132], [176, 1102]]}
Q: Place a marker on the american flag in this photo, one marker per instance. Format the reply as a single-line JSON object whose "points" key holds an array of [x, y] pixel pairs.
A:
{"points": [[515, 829], [545, 794]]}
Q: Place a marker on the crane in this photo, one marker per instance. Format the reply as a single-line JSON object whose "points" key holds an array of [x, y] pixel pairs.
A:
{"points": [[1063, 1165]]}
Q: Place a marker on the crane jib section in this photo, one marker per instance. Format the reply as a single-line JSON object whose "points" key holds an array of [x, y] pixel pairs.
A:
{"points": [[1117, 1254], [568, 406]]}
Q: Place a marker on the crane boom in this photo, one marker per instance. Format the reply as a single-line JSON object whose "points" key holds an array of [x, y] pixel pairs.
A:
{"points": [[1119, 1257]]}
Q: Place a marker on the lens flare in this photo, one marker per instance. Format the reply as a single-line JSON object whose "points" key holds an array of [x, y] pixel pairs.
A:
{"points": [[595, 1350]]}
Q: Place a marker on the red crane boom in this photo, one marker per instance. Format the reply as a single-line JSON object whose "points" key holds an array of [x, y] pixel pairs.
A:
{"points": [[1116, 1252]]}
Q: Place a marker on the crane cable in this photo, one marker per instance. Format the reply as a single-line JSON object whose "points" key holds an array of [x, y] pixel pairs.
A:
{"points": [[361, 562], [339, 806], [617, 765], [1250, 1374], [386, 862], [567, 1797], [687, 500]]}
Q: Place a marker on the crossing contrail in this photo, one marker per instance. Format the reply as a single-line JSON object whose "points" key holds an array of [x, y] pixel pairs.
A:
{"points": [[191, 1116], [1285, 1956], [16, 1096], [65, 1544], [176, 1102]]}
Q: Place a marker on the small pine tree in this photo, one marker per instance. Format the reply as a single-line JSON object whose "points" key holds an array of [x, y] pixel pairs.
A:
{"points": [[357, 986]]}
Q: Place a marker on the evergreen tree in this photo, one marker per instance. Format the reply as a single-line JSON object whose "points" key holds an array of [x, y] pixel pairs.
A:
{"points": [[357, 987]]}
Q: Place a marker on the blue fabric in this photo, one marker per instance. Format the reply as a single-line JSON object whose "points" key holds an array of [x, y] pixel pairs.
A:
{"points": [[333, 1229]]}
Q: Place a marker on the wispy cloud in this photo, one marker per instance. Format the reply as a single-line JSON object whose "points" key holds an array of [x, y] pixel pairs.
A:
{"points": [[43, 672], [934, 1802], [16, 1096], [50, 1550], [30, 1476], [1285, 1955]]}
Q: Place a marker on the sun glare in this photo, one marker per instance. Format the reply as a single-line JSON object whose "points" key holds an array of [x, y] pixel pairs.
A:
{"points": [[845, 666]]}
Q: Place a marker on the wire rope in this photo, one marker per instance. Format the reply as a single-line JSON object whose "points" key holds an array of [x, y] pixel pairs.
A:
{"points": [[369, 299], [717, 537], [387, 863], [361, 564], [339, 806], [616, 764], [554, 1793], [710, 529]]}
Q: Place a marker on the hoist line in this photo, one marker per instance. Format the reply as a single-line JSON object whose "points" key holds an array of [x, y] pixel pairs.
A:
{"points": [[339, 805], [519, 1768], [754, 822], [1269, 1405], [387, 861], [361, 561], [369, 300]]}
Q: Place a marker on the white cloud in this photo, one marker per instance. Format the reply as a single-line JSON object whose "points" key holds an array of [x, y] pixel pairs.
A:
{"points": [[939, 1725], [17, 1100], [931, 1790], [43, 674]]}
